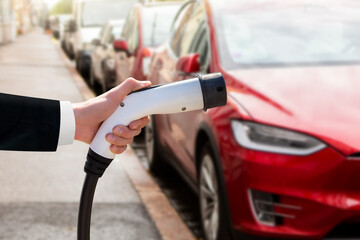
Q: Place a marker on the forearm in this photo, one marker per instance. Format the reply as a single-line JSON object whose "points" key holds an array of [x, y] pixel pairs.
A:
{"points": [[29, 124]]}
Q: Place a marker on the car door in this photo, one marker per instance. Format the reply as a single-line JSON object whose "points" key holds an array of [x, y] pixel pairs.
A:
{"points": [[130, 33], [190, 37]]}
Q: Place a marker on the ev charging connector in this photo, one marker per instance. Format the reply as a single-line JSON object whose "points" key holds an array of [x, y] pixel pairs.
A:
{"points": [[202, 92]]}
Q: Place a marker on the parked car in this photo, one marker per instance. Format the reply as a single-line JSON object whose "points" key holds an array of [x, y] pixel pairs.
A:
{"points": [[282, 158], [89, 17], [58, 24], [68, 36], [103, 56], [146, 27]]}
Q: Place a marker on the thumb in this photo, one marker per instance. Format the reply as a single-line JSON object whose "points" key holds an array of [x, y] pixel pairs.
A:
{"points": [[129, 85]]}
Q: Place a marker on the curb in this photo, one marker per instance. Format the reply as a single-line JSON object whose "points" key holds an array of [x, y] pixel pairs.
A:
{"points": [[165, 217]]}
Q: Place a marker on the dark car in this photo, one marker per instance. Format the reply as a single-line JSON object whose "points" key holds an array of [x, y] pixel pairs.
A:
{"points": [[146, 27], [282, 158], [102, 74]]}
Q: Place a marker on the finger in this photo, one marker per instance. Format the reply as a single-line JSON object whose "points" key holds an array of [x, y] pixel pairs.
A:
{"points": [[118, 141], [125, 132], [117, 149], [140, 123], [128, 86]]}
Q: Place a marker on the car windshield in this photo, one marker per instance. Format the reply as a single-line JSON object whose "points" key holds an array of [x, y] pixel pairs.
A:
{"points": [[156, 23], [272, 33], [97, 13]]}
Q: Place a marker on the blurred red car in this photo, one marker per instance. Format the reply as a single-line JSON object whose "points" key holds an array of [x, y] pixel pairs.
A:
{"points": [[146, 27], [282, 158]]}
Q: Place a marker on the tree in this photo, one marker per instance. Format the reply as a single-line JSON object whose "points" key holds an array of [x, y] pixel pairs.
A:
{"points": [[62, 7]]}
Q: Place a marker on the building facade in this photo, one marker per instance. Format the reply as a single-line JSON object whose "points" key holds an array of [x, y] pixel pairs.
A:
{"points": [[7, 23], [18, 17]]}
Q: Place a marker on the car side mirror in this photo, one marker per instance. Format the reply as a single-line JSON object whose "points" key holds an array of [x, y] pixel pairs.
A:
{"points": [[121, 45], [188, 64], [96, 42]]}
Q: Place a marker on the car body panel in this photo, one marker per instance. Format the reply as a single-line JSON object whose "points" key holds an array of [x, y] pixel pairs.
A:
{"points": [[320, 101], [327, 108]]}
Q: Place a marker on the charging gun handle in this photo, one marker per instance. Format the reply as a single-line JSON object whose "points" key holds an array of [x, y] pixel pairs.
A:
{"points": [[202, 92]]}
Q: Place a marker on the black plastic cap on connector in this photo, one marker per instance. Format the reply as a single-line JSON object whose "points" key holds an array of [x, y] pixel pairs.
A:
{"points": [[214, 90], [96, 164]]}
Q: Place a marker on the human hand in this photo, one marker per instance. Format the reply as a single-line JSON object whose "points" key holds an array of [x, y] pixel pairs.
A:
{"points": [[90, 114], [122, 135]]}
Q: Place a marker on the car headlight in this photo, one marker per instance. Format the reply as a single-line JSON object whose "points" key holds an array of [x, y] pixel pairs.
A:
{"points": [[272, 139]]}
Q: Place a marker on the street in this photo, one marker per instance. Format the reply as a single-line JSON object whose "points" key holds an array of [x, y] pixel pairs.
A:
{"points": [[39, 192]]}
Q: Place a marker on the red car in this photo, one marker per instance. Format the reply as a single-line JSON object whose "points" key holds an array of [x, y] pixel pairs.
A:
{"points": [[282, 158], [146, 27]]}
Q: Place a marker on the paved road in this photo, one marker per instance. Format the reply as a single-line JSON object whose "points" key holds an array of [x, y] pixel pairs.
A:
{"points": [[39, 192]]}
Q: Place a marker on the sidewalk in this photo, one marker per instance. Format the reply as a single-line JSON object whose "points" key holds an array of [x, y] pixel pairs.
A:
{"points": [[39, 192]]}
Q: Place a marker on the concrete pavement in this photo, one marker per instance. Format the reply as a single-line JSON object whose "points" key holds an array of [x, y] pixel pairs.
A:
{"points": [[39, 192]]}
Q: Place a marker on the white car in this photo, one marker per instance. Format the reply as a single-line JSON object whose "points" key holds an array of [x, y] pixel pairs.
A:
{"points": [[90, 16]]}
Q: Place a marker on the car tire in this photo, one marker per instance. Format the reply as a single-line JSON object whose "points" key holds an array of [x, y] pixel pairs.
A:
{"points": [[63, 46], [94, 83], [213, 216], [106, 83], [78, 65], [154, 159], [92, 79], [71, 53]]}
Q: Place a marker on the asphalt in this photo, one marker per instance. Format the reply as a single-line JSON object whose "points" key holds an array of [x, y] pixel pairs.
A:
{"points": [[39, 192]]}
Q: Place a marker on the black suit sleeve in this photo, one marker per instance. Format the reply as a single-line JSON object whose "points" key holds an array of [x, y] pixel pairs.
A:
{"points": [[28, 124]]}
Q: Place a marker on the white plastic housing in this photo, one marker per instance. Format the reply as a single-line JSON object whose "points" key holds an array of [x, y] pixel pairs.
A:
{"points": [[170, 98]]}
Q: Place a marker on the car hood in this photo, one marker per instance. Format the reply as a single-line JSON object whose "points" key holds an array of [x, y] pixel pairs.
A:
{"points": [[321, 101]]}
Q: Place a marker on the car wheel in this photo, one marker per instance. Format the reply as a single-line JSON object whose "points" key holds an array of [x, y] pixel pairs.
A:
{"points": [[71, 53], [212, 211], [92, 79], [63, 46], [106, 84], [77, 64], [154, 158]]}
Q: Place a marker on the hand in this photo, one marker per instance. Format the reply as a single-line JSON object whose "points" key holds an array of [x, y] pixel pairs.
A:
{"points": [[90, 114], [122, 136]]}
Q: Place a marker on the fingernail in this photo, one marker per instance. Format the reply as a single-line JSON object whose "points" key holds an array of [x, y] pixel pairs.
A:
{"points": [[108, 137], [118, 130]]}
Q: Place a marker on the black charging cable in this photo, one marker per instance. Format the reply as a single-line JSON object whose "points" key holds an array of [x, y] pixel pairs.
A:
{"points": [[95, 167]]}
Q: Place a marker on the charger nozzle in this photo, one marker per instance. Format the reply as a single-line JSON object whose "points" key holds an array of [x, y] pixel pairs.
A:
{"points": [[213, 89]]}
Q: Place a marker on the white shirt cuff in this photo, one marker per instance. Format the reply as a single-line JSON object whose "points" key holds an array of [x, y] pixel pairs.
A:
{"points": [[67, 124]]}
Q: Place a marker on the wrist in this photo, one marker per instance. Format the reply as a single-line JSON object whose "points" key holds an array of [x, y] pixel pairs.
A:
{"points": [[67, 124], [78, 113]]}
